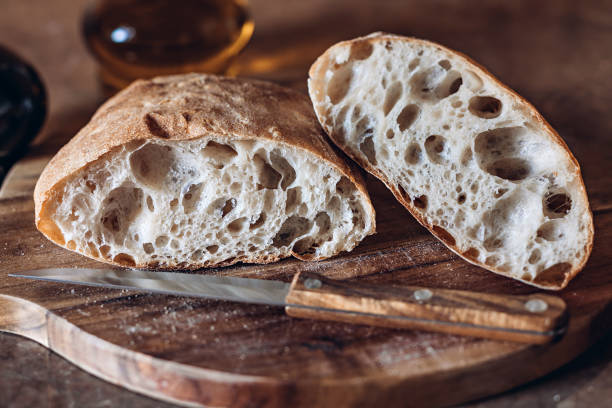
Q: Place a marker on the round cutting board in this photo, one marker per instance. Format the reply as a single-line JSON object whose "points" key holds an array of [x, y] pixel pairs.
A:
{"points": [[217, 353]]}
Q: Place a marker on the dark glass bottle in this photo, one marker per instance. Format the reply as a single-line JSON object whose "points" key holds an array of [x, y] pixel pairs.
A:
{"points": [[134, 39], [23, 107]]}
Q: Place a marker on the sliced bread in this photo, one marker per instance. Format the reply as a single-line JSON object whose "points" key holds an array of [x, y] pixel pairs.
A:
{"points": [[194, 170], [473, 161]]}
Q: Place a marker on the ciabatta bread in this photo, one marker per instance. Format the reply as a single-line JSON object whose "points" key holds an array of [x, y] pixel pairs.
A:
{"points": [[195, 170], [474, 162]]}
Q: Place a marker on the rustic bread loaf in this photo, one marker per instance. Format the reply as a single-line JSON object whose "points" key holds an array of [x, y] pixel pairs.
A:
{"points": [[474, 162], [196, 170]]}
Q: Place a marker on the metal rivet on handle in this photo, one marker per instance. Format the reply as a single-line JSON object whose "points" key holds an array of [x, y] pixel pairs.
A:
{"points": [[311, 283], [422, 294], [536, 305]]}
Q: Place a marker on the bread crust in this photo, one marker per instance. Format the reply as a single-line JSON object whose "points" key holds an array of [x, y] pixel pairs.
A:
{"points": [[316, 76], [188, 107]]}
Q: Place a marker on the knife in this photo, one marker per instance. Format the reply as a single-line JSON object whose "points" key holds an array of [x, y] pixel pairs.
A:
{"points": [[536, 318]]}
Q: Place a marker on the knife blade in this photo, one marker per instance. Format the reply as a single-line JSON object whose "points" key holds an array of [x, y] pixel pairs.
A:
{"points": [[537, 318]]}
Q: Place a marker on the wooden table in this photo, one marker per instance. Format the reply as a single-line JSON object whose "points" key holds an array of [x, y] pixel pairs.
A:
{"points": [[556, 53]]}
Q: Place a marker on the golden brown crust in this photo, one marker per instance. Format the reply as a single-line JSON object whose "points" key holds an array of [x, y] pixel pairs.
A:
{"points": [[316, 72], [185, 107]]}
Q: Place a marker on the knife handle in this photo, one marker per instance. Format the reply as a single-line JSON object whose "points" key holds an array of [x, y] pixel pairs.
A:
{"points": [[535, 318]]}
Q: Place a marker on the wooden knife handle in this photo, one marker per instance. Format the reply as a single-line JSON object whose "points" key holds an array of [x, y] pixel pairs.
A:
{"points": [[535, 318]]}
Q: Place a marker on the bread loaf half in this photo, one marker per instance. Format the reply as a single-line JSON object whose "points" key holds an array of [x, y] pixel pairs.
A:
{"points": [[196, 170], [474, 162]]}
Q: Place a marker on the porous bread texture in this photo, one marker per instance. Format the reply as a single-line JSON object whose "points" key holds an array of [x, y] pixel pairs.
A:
{"points": [[474, 162], [229, 183]]}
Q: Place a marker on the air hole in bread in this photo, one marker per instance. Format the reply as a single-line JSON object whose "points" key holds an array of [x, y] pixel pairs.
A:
{"points": [[340, 83], [105, 250], [461, 198], [304, 246], [361, 50], [472, 80], [196, 255], [414, 64], [551, 231], [367, 148], [228, 206], [472, 254], [420, 202], [486, 107], [235, 188], [445, 64], [323, 222], [339, 125], [150, 204], [407, 116], [91, 186], [493, 243], [444, 235], [435, 147], [212, 249], [500, 192], [218, 154], [365, 127], [173, 202], [161, 241], [292, 228], [268, 177], [501, 152], [191, 197], [237, 225], [344, 187], [120, 207], [392, 96], [124, 259], [510, 168], [466, 156], [284, 168], [492, 260], [151, 164], [334, 204], [449, 85], [148, 247], [553, 274], [557, 204], [535, 256], [155, 124], [390, 134], [424, 83], [93, 251], [294, 198], [71, 245]]}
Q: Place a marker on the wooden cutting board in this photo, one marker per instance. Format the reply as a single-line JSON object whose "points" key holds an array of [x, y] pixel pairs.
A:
{"points": [[226, 354], [218, 353]]}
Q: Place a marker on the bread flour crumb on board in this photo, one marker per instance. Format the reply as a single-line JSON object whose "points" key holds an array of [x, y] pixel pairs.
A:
{"points": [[474, 162]]}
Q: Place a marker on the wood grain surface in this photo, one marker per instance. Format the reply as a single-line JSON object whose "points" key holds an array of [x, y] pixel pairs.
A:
{"points": [[224, 354], [468, 313]]}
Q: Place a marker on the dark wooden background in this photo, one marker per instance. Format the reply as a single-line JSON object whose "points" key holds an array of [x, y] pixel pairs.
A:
{"points": [[557, 53]]}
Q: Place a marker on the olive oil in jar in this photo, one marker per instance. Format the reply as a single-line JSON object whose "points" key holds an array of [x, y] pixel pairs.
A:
{"points": [[134, 39]]}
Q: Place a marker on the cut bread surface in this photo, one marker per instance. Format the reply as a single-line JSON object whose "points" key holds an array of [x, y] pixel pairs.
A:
{"points": [[196, 199], [470, 159]]}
